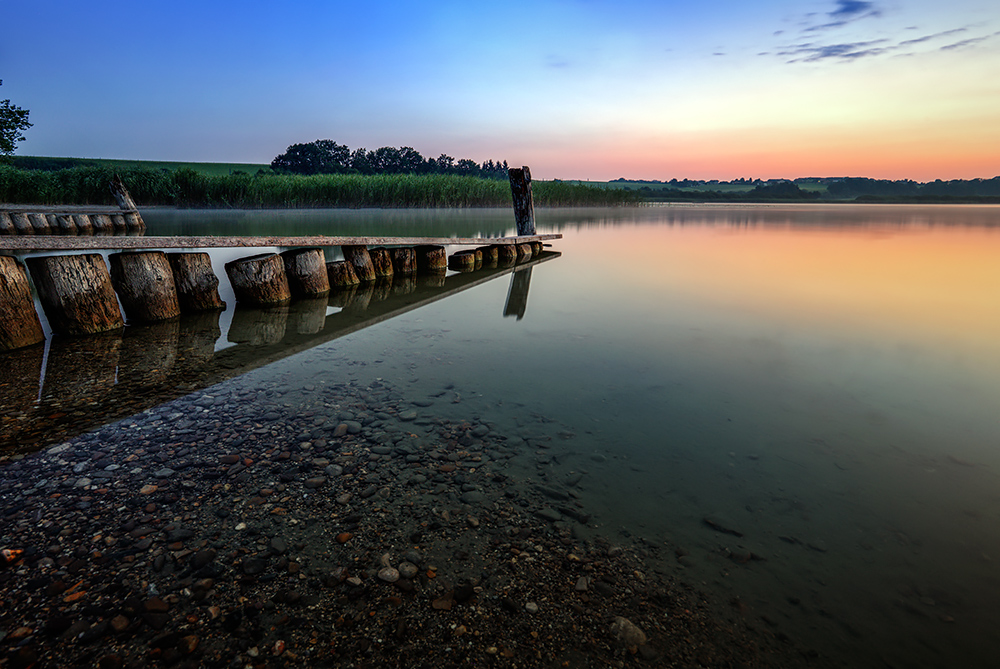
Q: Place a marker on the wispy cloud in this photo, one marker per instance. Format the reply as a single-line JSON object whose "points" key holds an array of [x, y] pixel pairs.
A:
{"points": [[816, 42], [812, 52], [846, 11]]}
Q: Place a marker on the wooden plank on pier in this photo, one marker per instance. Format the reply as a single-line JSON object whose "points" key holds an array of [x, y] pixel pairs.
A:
{"points": [[60, 243]]}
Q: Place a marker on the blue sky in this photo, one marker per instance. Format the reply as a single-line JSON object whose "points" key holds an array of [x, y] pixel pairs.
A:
{"points": [[575, 89]]}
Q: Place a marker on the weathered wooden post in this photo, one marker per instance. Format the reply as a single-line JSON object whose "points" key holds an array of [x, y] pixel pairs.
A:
{"points": [[524, 207], [118, 223], [431, 259], [340, 274], [102, 224], [83, 224], [65, 225], [404, 260], [259, 280], [145, 285], [523, 252], [22, 224], [40, 224], [6, 224], [19, 324], [536, 249], [462, 261], [125, 201], [381, 262], [358, 257], [134, 222], [506, 254], [490, 255], [306, 272], [76, 293], [196, 283]]}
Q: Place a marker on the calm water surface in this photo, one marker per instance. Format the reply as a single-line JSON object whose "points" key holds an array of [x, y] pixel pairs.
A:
{"points": [[824, 381]]}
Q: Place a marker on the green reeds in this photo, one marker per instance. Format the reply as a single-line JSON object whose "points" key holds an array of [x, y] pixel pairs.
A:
{"points": [[189, 188]]}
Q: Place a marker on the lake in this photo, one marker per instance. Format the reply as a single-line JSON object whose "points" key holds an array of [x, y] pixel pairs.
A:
{"points": [[793, 408]]}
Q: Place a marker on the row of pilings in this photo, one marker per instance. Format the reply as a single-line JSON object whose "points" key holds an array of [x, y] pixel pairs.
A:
{"points": [[35, 223], [80, 295]]}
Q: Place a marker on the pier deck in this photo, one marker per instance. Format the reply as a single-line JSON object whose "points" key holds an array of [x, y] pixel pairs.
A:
{"points": [[123, 242]]}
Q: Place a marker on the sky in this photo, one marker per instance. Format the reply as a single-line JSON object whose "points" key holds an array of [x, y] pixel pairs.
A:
{"points": [[575, 89]]}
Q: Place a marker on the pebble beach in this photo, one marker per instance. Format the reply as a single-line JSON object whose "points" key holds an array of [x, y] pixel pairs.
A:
{"points": [[351, 527]]}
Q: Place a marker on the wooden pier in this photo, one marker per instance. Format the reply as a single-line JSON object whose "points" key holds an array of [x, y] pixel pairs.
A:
{"points": [[80, 296]]}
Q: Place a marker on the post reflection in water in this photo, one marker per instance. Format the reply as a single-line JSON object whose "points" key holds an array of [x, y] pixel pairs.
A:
{"points": [[92, 380], [517, 296]]}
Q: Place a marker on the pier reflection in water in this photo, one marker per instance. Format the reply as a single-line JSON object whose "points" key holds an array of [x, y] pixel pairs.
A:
{"points": [[77, 383]]}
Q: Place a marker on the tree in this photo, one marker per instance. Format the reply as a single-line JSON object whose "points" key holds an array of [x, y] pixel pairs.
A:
{"points": [[324, 156], [13, 120]]}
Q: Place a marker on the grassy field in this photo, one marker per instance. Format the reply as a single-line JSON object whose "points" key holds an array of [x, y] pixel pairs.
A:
{"points": [[242, 189]]}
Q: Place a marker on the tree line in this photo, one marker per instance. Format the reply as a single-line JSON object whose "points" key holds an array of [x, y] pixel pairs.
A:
{"points": [[325, 156]]}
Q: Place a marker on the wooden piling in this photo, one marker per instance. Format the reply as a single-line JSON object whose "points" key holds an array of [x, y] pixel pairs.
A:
{"points": [[19, 324], [196, 283], [431, 259], [118, 223], [524, 208], [506, 254], [259, 280], [102, 224], [6, 224], [22, 224], [40, 224], [134, 222], [462, 261], [340, 274], [523, 252], [65, 225], [145, 285], [306, 272], [76, 293], [404, 260], [122, 197], [83, 224], [536, 249], [489, 255], [358, 257], [381, 262]]}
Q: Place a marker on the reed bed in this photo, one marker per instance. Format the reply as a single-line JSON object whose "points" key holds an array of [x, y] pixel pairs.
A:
{"points": [[188, 188]]}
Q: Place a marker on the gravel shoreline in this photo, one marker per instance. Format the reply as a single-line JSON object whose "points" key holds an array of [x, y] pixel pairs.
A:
{"points": [[233, 528]]}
